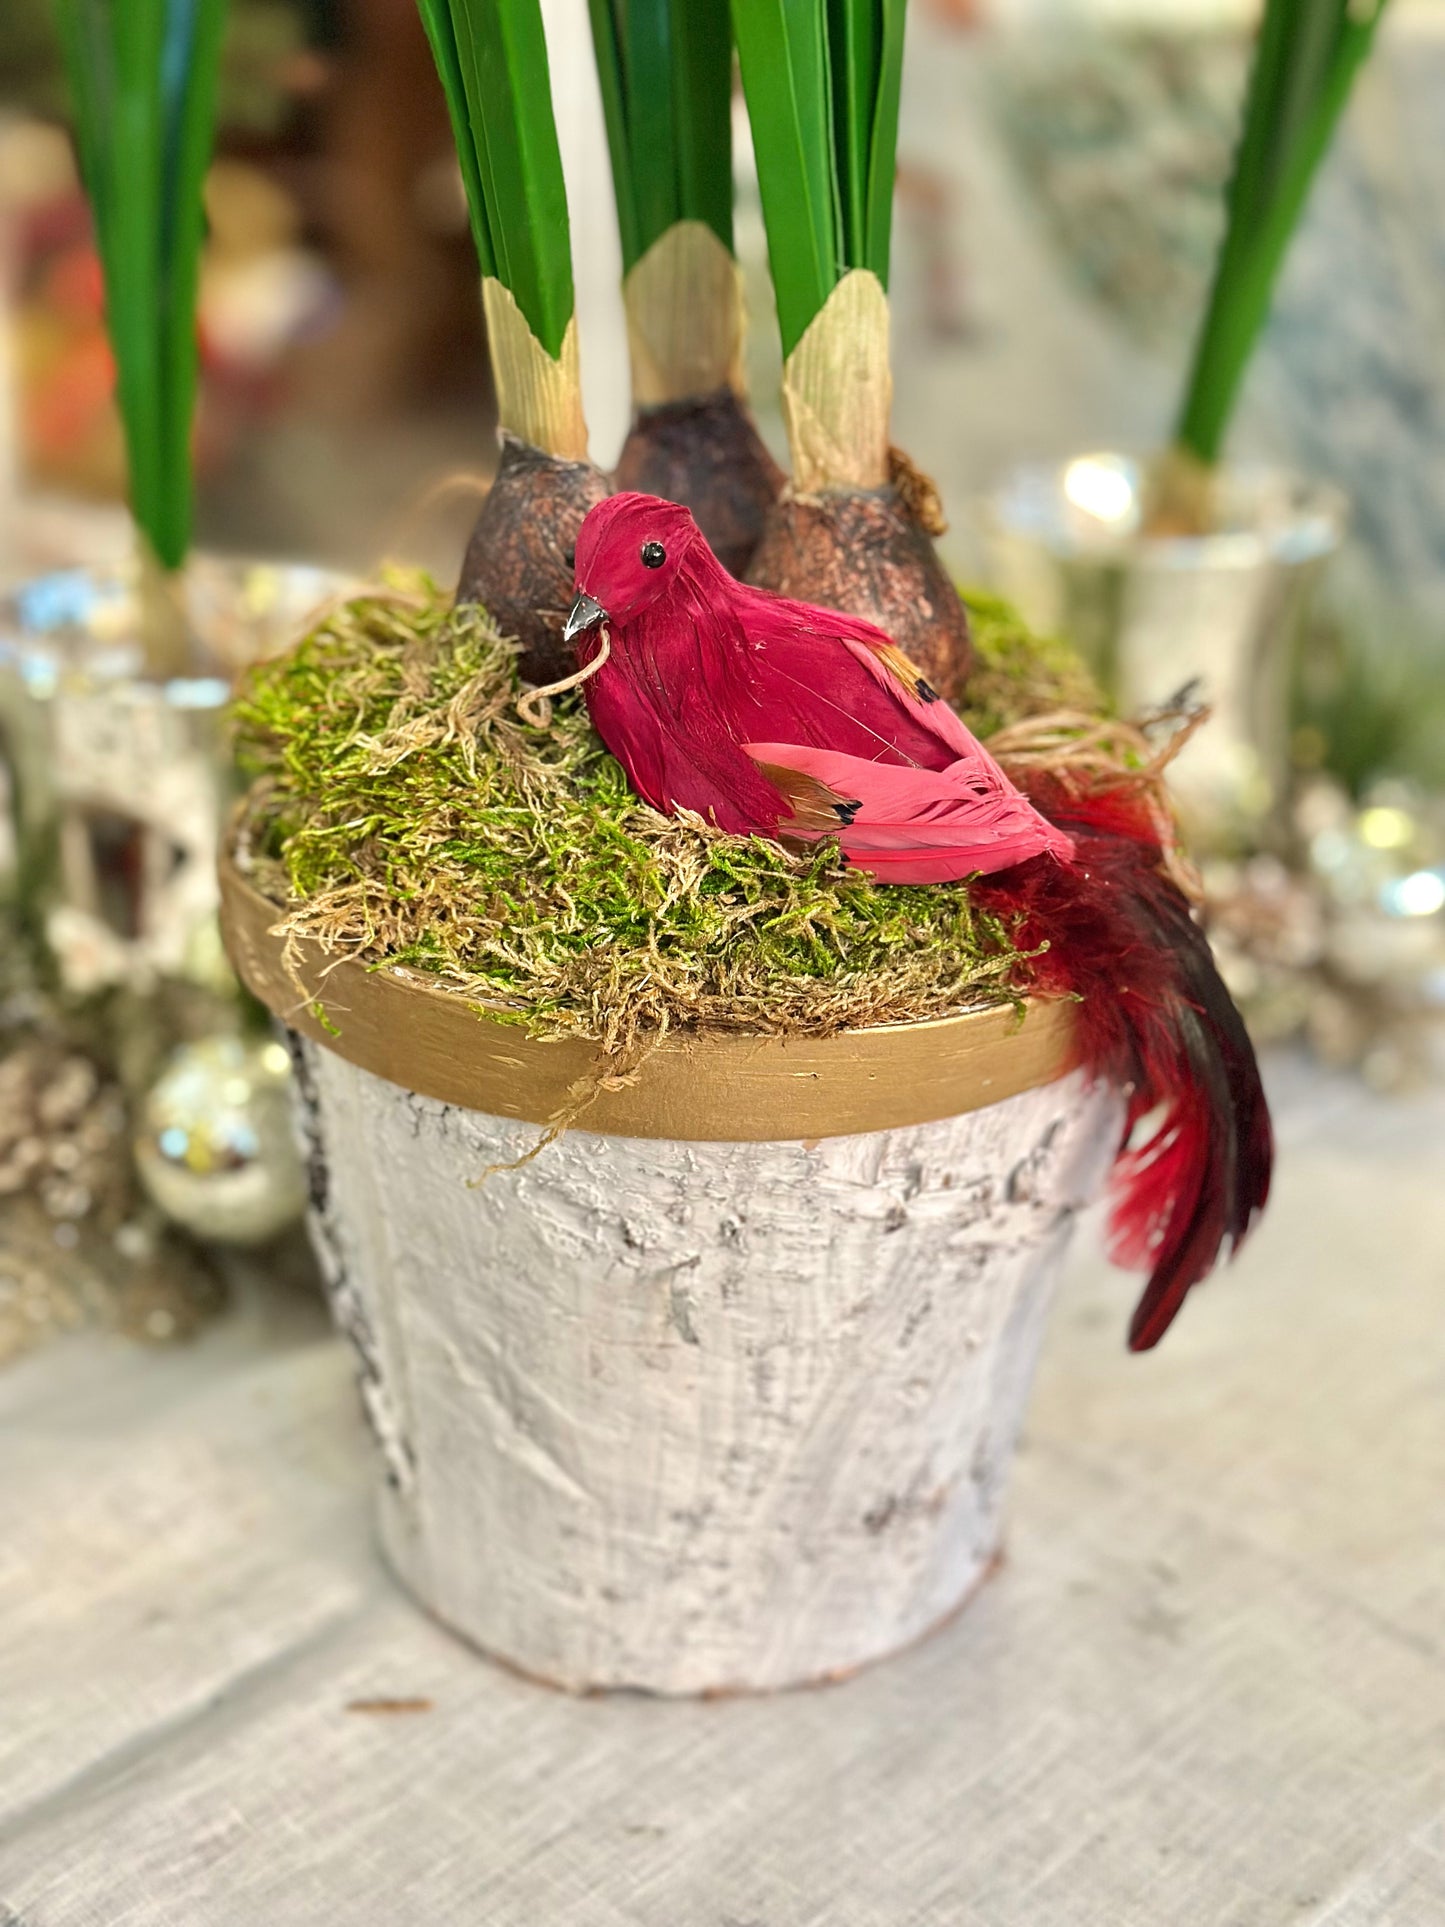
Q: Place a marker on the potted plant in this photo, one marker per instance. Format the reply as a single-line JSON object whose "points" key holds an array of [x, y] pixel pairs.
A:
{"points": [[693, 1198], [1187, 566], [114, 684], [682, 1401]]}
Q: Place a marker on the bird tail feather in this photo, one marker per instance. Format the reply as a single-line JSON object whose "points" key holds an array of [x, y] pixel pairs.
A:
{"points": [[1155, 1020]]}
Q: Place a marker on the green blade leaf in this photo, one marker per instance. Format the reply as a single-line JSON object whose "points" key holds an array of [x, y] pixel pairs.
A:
{"points": [[855, 51], [647, 65], [436, 16], [143, 81], [191, 77], [133, 285], [665, 70], [84, 40], [607, 48], [883, 145], [783, 53], [1306, 58], [822, 79], [702, 88], [492, 58]]}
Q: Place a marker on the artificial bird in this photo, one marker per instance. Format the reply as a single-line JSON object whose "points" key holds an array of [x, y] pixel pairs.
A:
{"points": [[770, 717]]}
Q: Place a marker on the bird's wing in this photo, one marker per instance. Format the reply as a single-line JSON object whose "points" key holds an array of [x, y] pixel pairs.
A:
{"points": [[888, 665], [908, 825], [818, 665]]}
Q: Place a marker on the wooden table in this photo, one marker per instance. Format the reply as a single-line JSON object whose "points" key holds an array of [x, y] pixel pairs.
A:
{"points": [[1206, 1690]]}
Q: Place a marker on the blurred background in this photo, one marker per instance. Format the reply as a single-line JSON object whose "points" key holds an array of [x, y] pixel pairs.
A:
{"points": [[1059, 205]]}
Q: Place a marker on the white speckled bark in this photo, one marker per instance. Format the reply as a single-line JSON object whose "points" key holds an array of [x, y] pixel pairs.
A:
{"points": [[694, 1417]]}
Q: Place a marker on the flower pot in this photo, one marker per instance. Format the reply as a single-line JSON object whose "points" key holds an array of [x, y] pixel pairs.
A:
{"points": [[720, 1392], [1154, 613]]}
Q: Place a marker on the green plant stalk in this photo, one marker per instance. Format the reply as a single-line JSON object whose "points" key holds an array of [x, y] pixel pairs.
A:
{"points": [[665, 69], [143, 79], [436, 19], [854, 54], [1297, 92], [702, 103], [883, 141], [491, 56], [822, 79], [782, 55], [647, 55], [606, 44]]}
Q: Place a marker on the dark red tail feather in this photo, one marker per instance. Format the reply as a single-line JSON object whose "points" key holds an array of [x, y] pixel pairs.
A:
{"points": [[1156, 1021]]}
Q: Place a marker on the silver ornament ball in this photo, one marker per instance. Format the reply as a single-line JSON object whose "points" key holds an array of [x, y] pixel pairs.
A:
{"points": [[214, 1146]]}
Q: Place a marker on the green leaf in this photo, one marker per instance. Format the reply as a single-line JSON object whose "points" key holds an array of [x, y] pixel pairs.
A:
{"points": [[647, 64], [1306, 58], [883, 147], [607, 47], [822, 79], [665, 69], [191, 79], [143, 80], [782, 50], [702, 105], [855, 52], [436, 17], [492, 59]]}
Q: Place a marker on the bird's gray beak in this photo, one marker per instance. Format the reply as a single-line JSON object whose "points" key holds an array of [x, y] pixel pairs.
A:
{"points": [[582, 615]]}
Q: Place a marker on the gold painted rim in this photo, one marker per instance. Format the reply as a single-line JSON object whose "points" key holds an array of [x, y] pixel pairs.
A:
{"points": [[710, 1087]]}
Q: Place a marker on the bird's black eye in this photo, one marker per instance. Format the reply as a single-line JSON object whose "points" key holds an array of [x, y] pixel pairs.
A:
{"points": [[653, 555]]}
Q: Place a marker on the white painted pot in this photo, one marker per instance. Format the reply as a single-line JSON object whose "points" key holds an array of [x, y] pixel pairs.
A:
{"points": [[686, 1415]]}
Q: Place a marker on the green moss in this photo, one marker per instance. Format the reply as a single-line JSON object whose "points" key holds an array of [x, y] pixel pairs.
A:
{"points": [[402, 811], [1017, 674]]}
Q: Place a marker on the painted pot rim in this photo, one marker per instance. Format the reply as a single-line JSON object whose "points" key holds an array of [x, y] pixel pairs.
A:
{"points": [[1272, 515], [707, 1087]]}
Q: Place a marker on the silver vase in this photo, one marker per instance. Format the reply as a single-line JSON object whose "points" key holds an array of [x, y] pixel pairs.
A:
{"points": [[1153, 614], [118, 780]]}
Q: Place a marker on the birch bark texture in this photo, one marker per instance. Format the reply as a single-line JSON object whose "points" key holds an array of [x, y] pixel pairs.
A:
{"points": [[693, 1417]]}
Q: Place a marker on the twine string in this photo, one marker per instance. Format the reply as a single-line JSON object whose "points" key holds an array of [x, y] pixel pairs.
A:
{"points": [[535, 706]]}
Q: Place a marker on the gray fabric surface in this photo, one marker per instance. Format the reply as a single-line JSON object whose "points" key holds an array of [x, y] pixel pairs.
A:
{"points": [[1206, 1690]]}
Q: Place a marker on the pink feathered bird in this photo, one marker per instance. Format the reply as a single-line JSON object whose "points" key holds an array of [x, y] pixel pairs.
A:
{"points": [[771, 718]]}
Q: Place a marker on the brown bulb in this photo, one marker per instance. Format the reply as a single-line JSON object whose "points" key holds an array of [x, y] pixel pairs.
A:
{"points": [[862, 552], [706, 454], [518, 563]]}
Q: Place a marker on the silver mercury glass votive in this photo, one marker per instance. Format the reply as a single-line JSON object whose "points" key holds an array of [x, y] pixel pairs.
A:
{"points": [[1152, 613], [119, 777]]}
